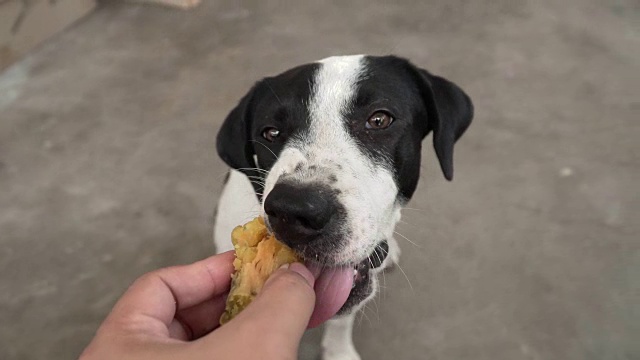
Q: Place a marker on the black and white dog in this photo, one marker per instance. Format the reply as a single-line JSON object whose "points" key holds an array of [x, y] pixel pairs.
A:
{"points": [[328, 153]]}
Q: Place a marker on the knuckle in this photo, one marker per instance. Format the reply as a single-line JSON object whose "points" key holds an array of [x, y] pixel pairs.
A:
{"points": [[148, 277], [153, 277]]}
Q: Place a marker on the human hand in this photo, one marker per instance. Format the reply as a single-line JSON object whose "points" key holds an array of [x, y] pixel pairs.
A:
{"points": [[171, 314]]}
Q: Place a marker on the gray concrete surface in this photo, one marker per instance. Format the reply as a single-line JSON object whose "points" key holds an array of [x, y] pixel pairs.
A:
{"points": [[108, 170]]}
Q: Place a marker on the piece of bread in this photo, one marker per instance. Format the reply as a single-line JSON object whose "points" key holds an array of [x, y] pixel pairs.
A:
{"points": [[258, 255]]}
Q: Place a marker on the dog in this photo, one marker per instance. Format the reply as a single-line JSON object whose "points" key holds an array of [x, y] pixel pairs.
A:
{"points": [[328, 153]]}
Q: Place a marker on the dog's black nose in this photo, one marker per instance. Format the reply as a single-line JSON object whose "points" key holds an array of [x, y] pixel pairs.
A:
{"points": [[299, 213]]}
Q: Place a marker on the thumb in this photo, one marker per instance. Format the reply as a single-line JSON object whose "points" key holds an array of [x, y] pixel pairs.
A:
{"points": [[285, 303], [279, 315]]}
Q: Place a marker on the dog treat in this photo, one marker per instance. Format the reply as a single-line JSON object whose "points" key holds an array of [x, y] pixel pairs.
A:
{"points": [[258, 255]]}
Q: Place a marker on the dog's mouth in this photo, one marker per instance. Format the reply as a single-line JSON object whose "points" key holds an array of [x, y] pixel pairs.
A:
{"points": [[334, 284]]}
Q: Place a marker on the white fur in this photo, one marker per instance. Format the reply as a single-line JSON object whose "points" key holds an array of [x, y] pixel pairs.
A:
{"points": [[238, 204], [337, 342], [367, 189]]}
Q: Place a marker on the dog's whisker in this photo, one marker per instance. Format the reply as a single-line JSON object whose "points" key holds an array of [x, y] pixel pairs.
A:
{"points": [[257, 183], [407, 223], [393, 49], [364, 313], [378, 257], [415, 209], [245, 218], [360, 316], [406, 238], [273, 91], [375, 304], [406, 277], [366, 309], [252, 214], [255, 169], [266, 147], [403, 273], [384, 279]]}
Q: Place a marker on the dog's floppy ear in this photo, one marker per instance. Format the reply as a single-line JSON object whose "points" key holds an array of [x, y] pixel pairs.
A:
{"points": [[449, 112], [233, 143]]}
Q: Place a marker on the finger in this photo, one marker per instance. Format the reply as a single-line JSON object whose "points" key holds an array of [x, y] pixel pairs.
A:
{"points": [[199, 320], [159, 294], [280, 313], [286, 301]]}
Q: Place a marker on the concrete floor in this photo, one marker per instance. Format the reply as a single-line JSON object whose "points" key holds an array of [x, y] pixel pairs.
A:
{"points": [[108, 169]]}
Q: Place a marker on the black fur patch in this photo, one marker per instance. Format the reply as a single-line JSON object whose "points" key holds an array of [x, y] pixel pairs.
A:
{"points": [[418, 102]]}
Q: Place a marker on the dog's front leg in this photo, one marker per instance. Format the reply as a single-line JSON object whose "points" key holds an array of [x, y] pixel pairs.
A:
{"points": [[337, 343]]}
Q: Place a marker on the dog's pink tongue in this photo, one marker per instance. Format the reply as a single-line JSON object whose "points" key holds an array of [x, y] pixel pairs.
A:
{"points": [[332, 287]]}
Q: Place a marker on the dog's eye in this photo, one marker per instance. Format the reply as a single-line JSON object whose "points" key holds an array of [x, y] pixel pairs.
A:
{"points": [[270, 134], [379, 120]]}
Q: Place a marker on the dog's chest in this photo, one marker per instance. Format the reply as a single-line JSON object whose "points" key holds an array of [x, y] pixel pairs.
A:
{"points": [[237, 205]]}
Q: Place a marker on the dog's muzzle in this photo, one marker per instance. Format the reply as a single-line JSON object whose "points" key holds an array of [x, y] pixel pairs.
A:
{"points": [[374, 261], [309, 218], [301, 214]]}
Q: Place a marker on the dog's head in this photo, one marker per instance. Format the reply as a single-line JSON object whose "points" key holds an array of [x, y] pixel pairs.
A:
{"points": [[333, 149]]}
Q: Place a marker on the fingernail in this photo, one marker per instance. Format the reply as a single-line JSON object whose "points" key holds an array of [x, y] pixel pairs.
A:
{"points": [[304, 272]]}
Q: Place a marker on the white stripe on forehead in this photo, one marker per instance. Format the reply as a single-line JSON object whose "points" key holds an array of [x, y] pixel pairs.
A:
{"points": [[334, 90], [327, 155]]}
